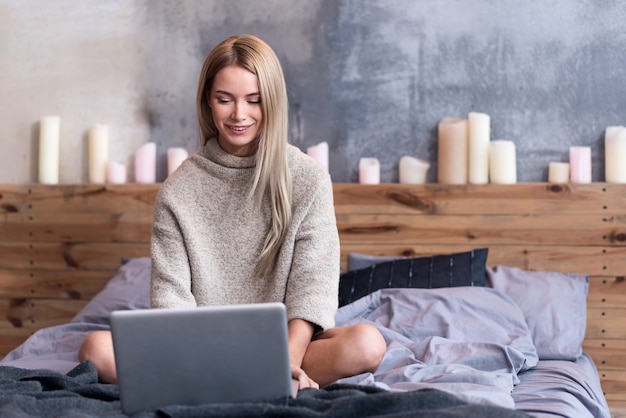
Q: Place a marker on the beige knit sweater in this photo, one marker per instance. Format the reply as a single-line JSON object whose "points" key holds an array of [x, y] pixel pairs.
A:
{"points": [[207, 237]]}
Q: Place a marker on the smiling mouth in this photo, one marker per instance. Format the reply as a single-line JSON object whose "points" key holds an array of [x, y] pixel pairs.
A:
{"points": [[238, 129]]}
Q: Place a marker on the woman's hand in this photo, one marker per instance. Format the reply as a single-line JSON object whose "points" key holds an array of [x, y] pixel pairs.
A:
{"points": [[304, 381], [300, 333]]}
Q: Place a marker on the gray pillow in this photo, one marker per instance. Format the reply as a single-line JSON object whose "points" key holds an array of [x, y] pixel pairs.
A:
{"points": [[554, 305], [129, 288], [357, 261], [446, 270]]}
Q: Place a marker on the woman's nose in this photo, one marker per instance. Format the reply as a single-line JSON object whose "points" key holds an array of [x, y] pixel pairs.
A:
{"points": [[239, 112]]}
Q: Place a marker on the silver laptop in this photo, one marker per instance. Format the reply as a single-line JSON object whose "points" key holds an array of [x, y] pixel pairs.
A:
{"points": [[201, 355]]}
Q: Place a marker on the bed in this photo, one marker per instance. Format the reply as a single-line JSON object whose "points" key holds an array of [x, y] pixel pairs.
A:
{"points": [[495, 299]]}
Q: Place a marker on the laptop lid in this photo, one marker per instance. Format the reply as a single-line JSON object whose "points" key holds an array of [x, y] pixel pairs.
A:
{"points": [[201, 355]]}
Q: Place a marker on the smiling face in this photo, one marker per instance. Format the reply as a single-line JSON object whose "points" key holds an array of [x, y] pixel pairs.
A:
{"points": [[235, 104]]}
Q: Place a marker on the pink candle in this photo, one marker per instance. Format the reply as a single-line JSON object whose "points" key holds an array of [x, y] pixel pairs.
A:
{"points": [[369, 171], [452, 153], [145, 163], [320, 153], [116, 172], [580, 164]]}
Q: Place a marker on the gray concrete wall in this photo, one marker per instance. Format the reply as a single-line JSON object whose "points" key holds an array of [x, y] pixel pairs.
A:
{"points": [[371, 77]]}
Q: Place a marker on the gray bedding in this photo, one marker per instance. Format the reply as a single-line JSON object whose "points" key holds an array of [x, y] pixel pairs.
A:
{"points": [[480, 344], [474, 343]]}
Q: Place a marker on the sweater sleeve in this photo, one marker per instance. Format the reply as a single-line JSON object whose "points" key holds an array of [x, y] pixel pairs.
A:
{"points": [[314, 277], [171, 275]]}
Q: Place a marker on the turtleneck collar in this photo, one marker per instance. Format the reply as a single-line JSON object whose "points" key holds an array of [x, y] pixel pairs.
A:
{"points": [[215, 153]]}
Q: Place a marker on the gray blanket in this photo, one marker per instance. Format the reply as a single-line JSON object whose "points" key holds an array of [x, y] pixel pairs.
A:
{"points": [[45, 393]]}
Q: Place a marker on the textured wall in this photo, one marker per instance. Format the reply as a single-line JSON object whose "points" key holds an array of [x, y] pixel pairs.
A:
{"points": [[373, 78]]}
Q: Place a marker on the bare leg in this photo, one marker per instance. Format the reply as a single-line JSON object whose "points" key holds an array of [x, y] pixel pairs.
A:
{"points": [[343, 352], [98, 347]]}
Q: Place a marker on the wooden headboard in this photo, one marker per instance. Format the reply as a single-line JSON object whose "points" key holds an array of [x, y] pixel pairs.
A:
{"points": [[60, 244]]}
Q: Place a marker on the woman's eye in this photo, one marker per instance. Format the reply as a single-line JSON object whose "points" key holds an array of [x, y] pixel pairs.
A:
{"points": [[221, 100], [254, 101]]}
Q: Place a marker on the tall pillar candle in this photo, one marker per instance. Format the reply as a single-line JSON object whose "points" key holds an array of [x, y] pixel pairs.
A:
{"points": [[479, 127], [369, 171], [558, 172], [452, 153], [98, 153], [615, 154], [413, 170], [175, 157], [49, 133], [580, 164], [320, 153], [502, 163], [145, 163]]}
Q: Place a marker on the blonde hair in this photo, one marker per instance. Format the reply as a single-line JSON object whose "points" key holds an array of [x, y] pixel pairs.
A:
{"points": [[271, 175]]}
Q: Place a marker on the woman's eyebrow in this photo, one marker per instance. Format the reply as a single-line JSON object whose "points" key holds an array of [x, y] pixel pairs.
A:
{"points": [[227, 93]]}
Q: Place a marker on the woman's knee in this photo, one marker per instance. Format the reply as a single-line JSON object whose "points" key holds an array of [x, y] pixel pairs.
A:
{"points": [[371, 345], [95, 346], [98, 348]]}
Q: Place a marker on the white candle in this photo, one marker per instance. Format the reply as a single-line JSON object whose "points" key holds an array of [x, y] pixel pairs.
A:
{"points": [[175, 156], [580, 164], [558, 172], [320, 153], [452, 153], [116, 172], [413, 170], [479, 134], [615, 154], [369, 171], [145, 163], [502, 164], [49, 133], [98, 153]]}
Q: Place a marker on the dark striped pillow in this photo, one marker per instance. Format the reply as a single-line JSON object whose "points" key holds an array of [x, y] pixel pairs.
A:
{"points": [[449, 270]]}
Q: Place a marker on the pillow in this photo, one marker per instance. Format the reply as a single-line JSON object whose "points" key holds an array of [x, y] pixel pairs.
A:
{"points": [[358, 261], [554, 305], [450, 270], [129, 288], [478, 327]]}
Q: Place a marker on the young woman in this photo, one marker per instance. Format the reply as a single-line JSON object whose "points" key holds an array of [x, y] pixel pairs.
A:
{"points": [[250, 218]]}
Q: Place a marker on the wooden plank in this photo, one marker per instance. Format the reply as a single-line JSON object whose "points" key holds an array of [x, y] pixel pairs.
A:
{"points": [[53, 284], [530, 198], [606, 323], [12, 338], [64, 227], [588, 260], [88, 255], [607, 292], [483, 230], [608, 354], [33, 314], [114, 213], [37, 199], [614, 386]]}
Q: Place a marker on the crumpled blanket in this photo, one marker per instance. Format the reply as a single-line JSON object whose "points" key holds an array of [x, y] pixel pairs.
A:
{"points": [[45, 393]]}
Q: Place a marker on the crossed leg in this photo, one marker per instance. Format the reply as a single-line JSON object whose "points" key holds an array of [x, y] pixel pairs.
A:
{"points": [[343, 352], [334, 354]]}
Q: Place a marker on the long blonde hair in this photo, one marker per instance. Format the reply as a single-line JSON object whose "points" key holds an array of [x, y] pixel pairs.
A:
{"points": [[271, 175]]}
